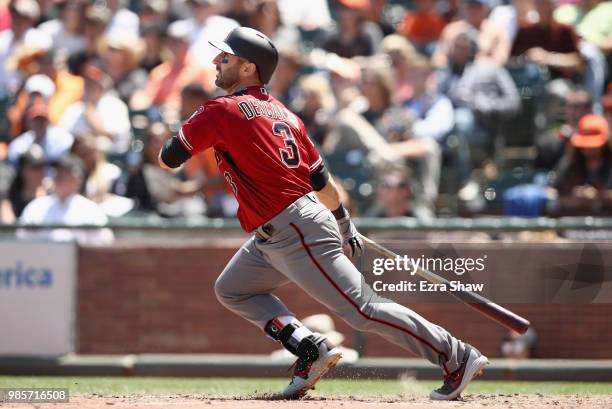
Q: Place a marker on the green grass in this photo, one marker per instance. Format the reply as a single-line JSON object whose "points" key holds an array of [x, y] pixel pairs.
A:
{"points": [[238, 386]]}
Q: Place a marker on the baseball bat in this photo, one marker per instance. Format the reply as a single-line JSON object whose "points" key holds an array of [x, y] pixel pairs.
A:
{"points": [[481, 304]]}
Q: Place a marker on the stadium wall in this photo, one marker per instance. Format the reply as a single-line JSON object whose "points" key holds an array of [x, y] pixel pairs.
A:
{"points": [[159, 299]]}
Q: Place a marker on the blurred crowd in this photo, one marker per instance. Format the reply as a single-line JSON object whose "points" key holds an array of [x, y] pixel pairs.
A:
{"points": [[420, 108]]}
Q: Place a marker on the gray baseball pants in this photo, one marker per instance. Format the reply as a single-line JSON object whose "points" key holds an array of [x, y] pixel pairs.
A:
{"points": [[303, 245]]}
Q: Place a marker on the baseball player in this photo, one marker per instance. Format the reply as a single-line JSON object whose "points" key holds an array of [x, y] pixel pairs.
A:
{"points": [[291, 204]]}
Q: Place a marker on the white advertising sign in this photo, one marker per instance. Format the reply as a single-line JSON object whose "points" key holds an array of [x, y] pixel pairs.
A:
{"points": [[37, 298]]}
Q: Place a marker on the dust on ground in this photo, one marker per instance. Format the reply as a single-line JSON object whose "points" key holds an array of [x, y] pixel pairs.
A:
{"points": [[268, 401]]}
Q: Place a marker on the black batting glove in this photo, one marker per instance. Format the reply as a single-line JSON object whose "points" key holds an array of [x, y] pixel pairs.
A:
{"points": [[350, 236]]}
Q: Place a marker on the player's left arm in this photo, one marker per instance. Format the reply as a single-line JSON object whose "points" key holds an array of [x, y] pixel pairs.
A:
{"points": [[325, 188], [173, 154], [328, 193]]}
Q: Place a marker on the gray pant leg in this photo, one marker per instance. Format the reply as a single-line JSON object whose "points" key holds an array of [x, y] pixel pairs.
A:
{"points": [[309, 253], [246, 283]]}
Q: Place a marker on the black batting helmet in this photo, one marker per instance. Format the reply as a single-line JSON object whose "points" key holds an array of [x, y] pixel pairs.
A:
{"points": [[252, 45]]}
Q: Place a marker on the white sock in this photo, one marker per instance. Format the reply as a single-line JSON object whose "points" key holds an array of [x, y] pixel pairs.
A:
{"points": [[286, 319], [301, 332]]}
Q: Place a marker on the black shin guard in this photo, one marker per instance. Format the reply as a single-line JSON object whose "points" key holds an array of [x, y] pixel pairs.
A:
{"points": [[307, 348]]}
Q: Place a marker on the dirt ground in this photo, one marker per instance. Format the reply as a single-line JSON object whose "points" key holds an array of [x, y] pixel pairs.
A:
{"points": [[488, 401]]}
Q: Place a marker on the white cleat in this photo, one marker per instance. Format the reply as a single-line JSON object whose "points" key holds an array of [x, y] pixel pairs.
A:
{"points": [[307, 374], [471, 367]]}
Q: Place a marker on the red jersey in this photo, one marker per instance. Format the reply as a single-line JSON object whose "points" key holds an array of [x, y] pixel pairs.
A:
{"points": [[261, 149]]}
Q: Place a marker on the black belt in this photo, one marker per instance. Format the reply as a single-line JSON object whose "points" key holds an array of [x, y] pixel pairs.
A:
{"points": [[266, 230]]}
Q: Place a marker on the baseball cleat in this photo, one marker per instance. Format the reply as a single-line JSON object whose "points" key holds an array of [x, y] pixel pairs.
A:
{"points": [[307, 373], [471, 367]]}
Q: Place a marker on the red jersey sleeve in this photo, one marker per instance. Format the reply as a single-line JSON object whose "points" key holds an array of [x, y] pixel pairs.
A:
{"points": [[313, 159], [201, 129]]}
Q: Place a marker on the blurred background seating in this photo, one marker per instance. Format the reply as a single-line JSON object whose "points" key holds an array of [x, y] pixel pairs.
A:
{"points": [[476, 101]]}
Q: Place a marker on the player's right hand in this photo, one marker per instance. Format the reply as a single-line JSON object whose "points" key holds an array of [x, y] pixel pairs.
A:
{"points": [[350, 236]]}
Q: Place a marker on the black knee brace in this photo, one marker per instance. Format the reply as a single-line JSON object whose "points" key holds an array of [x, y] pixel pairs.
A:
{"points": [[307, 348]]}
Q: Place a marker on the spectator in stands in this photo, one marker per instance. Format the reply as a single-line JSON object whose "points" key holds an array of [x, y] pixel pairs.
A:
{"points": [[24, 14], [154, 68], [66, 206], [266, 18], [121, 53], [379, 13], [422, 26], [238, 10], [449, 10], [37, 58], [28, 183], [492, 42], [396, 125], [384, 132], [153, 37], [168, 79], [549, 43], [509, 17], [557, 93], [67, 31], [551, 145], [344, 76], [394, 196], [433, 116], [97, 18], [205, 24], [159, 190], [315, 104], [406, 63], [432, 111], [122, 18], [101, 178], [284, 82], [37, 87], [100, 112], [54, 141], [309, 15], [482, 92], [153, 12], [382, 112], [592, 20], [353, 35], [584, 174], [483, 95]]}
